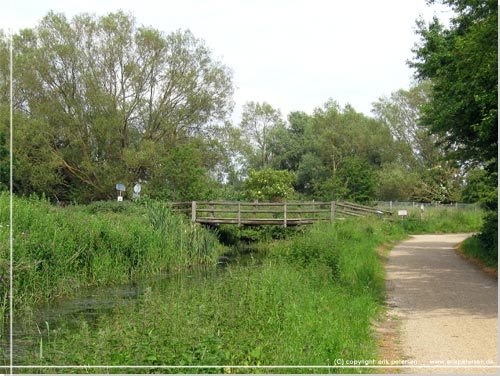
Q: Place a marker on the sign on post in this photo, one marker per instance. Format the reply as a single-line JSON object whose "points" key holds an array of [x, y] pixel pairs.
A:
{"points": [[137, 189], [402, 214], [120, 188]]}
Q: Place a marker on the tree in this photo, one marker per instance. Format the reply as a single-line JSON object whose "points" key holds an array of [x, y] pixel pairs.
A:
{"points": [[98, 89], [401, 113], [259, 124], [354, 180], [477, 188], [462, 64], [432, 177]]}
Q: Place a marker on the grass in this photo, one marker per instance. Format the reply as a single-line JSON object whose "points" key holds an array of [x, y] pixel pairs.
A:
{"points": [[276, 315], [474, 248], [312, 300], [58, 250], [441, 220]]}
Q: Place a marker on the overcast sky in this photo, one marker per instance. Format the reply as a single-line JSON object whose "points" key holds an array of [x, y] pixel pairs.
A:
{"points": [[293, 54]]}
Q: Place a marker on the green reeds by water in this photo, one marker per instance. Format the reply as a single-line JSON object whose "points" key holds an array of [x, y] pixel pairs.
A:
{"points": [[58, 250], [275, 314], [310, 302]]}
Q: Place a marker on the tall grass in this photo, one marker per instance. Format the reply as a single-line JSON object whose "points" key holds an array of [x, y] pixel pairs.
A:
{"points": [[441, 220], [474, 248], [311, 302], [273, 315], [56, 251]]}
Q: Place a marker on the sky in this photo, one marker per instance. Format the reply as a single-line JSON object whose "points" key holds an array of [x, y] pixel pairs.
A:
{"points": [[293, 54]]}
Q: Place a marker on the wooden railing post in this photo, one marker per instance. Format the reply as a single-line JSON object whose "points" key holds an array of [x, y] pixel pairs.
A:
{"points": [[239, 214], [212, 209], [284, 214], [332, 211], [193, 211]]}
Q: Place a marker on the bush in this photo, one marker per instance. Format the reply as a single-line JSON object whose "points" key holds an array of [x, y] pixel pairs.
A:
{"points": [[269, 185], [489, 236]]}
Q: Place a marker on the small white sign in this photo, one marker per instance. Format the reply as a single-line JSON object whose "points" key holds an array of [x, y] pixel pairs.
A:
{"points": [[402, 213], [120, 198]]}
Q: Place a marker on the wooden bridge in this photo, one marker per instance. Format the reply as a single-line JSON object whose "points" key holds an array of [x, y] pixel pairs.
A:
{"points": [[267, 213]]}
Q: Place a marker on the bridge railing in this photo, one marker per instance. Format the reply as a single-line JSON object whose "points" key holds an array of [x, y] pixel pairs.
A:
{"points": [[272, 213]]}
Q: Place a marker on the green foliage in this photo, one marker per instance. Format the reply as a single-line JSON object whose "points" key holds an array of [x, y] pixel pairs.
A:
{"points": [[293, 308], [347, 248], [489, 236], [441, 220], [269, 185], [272, 315], [354, 180], [426, 176], [101, 100], [479, 188], [335, 153], [462, 61], [181, 176], [4, 163], [260, 124], [58, 250], [396, 183], [475, 248], [232, 235]]}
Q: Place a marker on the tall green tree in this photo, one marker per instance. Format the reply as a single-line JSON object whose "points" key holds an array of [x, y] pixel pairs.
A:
{"points": [[462, 63], [424, 172], [260, 124], [101, 89], [269, 185]]}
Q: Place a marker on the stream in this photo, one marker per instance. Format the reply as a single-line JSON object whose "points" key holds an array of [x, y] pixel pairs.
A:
{"points": [[67, 313]]}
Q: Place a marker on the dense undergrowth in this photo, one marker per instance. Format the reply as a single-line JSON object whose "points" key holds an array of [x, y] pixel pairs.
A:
{"points": [[58, 250], [311, 301]]}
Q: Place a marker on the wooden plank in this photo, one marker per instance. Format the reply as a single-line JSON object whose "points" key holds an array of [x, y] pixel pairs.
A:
{"points": [[284, 215], [365, 208], [254, 221], [193, 211]]}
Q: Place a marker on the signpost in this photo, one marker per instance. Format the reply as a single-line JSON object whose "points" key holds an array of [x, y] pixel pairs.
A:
{"points": [[120, 188], [137, 189], [402, 214]]}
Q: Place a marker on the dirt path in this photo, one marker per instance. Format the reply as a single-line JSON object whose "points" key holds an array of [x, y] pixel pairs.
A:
{"points": [[446, 308]]}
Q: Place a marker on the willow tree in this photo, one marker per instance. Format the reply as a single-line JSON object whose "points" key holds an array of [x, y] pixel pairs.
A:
{"points": [[109, 99]]}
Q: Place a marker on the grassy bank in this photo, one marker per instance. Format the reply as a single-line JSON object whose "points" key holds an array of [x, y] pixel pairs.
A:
{"points": [[59, 250], [474, 248], [312, 301], [440, 220]]}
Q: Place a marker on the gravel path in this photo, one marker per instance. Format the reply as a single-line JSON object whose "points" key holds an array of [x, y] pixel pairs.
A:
{"points": [[447, 308]]}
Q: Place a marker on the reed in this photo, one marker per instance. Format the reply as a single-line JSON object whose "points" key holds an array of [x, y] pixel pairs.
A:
{"points": [[58, 250]]}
